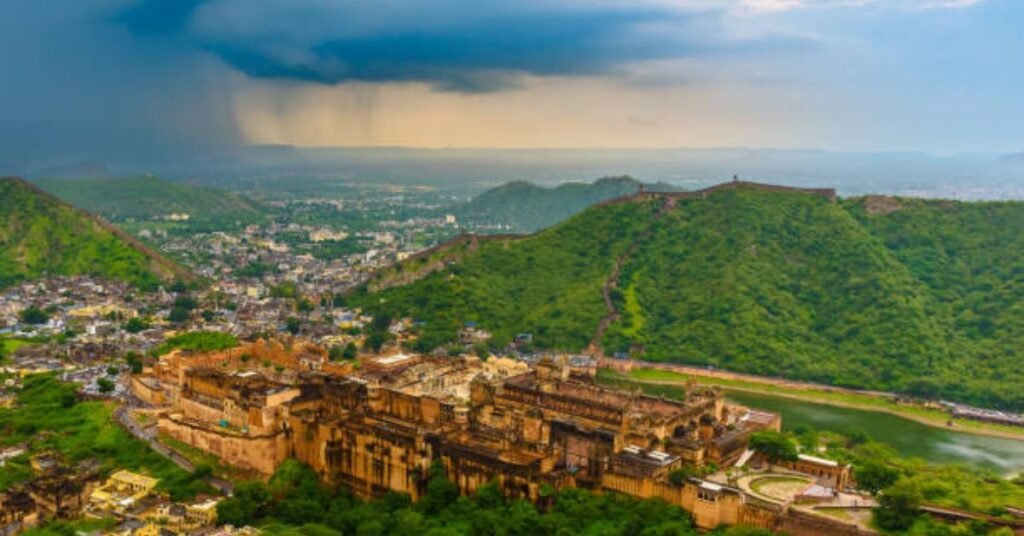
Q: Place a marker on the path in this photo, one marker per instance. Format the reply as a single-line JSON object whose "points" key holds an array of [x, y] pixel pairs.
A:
{"points": [[594, 348], [123, 417]]}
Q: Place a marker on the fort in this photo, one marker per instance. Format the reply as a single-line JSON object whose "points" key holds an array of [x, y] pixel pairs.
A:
{"points": [[382, 426]]}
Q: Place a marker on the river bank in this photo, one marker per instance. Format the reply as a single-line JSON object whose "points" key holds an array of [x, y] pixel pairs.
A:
{"points": [[845, 398]]}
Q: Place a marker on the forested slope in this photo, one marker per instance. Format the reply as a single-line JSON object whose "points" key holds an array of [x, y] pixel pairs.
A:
{"points": [[880, 293], [40, 235]]}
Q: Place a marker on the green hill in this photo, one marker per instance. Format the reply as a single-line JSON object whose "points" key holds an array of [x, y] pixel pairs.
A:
{"points": [[151, 198], [880, 293], [41, 235], [526, 207]]}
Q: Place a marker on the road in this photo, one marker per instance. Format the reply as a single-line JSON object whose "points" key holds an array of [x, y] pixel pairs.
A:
{"points": [[123, 417]]}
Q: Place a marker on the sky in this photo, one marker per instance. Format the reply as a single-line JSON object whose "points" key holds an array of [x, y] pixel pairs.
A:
{"points": [[109, 78]]}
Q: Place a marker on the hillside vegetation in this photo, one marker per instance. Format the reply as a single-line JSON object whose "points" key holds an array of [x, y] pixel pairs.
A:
{"points": [[151, 197], [892, 294], [40, 235], [522, 206]]}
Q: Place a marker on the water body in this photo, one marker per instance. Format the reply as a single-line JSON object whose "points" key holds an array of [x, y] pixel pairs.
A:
{"points": [[909, 438]]}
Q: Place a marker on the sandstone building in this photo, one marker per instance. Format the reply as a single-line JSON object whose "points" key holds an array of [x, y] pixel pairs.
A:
{"points": [[380, 428]]}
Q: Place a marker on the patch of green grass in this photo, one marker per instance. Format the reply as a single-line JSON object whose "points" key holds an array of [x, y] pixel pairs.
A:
{"points": [[200, 341], [778, 487], [78, 526], [49, 415], [634, 314]]}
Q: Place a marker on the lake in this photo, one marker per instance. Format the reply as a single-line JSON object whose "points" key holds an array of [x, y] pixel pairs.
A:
{"points": [[909, 438]]}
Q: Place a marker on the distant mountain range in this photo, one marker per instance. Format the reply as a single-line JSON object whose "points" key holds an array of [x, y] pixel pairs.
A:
{"points": [[149, 197], [41, 235], [522, 206], [898, 294]]}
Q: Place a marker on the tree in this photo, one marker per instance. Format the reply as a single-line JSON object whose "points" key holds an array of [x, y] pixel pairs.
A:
{"points": [[136, 324], [105, 385], [873, 476], [350, 351], [441, 492], [293, 325], [334, 352], [898, 508], [774, 446], [246, 506], [376, 339], [33, 315], [304, 306], [178, 314], [185, 302], [177, 286], [134, 361]]}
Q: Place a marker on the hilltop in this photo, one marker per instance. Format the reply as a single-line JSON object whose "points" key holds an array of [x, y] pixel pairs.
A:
{"points": [[41, 235], [522, 206], [882, 293], [148, 197]]}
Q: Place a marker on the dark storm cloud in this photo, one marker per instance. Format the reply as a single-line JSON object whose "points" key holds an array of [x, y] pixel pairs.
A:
{"points": [[77, 86], [452, 44], [138, 80]]}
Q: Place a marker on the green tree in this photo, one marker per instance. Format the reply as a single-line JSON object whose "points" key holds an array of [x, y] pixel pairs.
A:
{"points": [[33, 315], [293, 325], [873, 476], [350, 351], [136, 324], [134, 361], [441, 492], [178, 315], [898, 508], [376, 339], [246, 506], [105, 385], [774, 446]]}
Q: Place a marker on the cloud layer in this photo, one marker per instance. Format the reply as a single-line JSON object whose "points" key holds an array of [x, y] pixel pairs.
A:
{"points": [[460, 45], [135, 79]]}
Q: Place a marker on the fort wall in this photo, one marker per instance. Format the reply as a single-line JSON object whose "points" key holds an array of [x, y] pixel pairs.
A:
{"points": [[260, 453]]}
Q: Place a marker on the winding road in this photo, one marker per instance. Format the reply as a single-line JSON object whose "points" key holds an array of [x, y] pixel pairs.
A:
{"points": [[123, 417]]}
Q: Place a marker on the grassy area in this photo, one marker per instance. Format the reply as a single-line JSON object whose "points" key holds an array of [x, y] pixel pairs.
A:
{"points": [[929, 416], [608, 377], [12, 345], [778, 487], [838, 513], [78, 526], [49, 417], [200, 341]]}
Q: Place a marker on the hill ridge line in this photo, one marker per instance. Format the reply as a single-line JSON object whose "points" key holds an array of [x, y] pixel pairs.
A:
{"points": [[159, 261], [828, 193], [474, 239]]}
